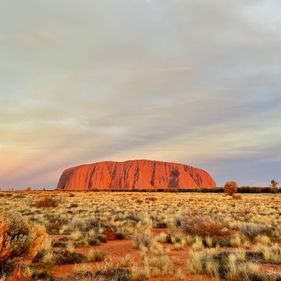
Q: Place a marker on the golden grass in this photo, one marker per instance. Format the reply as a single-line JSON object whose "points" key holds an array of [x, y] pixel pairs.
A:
{"points": [[204, 224]]}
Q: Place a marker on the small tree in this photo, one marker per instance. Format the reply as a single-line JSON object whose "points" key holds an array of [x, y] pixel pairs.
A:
{"points": [[274, 186], [230, 187]]}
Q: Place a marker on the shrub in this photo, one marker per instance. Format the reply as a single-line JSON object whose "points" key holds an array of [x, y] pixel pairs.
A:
{"points": [[230, 187], [19, 239], [251, 230], [41, 275], [97, 255], [47, 202], [158, 265], [102, 238], [274, 186], [54, 224], [76, 235], [142, 240], [94, 242], [273, 254], [203, 226], [120, 236], [59, 244], [160, 224], [66, 257], [225, 266], [114, 274]]}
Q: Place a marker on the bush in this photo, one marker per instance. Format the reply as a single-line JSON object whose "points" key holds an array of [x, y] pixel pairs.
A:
{"points": [[142, 240], [19, 239], [120, 236], [59, 244], [47, 202], [230, 187], [274, 186], [114, 274], [226, 266], [54, 223], [203, 226], [97, 255], [251, 230], [66, 257], [94, 242]]}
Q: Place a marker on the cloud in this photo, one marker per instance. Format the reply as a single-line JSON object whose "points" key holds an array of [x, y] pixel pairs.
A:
{"points": [[191, 81]]}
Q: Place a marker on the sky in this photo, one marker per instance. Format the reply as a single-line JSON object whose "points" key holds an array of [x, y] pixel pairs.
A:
{"points": [[189, 81]]}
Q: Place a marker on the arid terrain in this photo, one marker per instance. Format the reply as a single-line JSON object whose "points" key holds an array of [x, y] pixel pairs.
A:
{"points": [[59, 235]]}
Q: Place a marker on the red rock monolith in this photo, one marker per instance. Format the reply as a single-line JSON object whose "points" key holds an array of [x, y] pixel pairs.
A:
{"points": [[134, 175]]}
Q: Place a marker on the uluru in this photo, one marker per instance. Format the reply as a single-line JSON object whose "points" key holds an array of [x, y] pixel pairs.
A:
{"points": [[134, 175]]}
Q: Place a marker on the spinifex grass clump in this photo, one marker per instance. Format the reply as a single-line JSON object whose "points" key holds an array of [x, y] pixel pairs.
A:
{"points": [[19, 239], [67, 257], [228, 266], [252, 230]]}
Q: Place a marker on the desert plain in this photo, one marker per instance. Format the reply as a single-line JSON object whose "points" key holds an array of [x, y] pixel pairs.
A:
{"points": [[137, 236]]}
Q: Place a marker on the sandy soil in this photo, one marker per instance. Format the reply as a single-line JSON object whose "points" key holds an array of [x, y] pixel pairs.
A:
{"points": [[120, 248]]}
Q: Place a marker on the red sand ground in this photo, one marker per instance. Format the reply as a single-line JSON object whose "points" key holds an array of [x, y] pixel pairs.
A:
{"points": [[120, 248]]}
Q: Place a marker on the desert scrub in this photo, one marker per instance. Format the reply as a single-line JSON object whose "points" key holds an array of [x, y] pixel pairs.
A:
{"points": [[67, 257], [252, 230], [54, 222], [47, 202], [142, 240], [262, 240], [164, 238], [158, 265], [230, 188], [203, 226], [76, 235], [198, 244], [110, 271], [156, 260], [82, 269], [19, 239], [224, 266], [96, 255], [92, 213], [272, 254]]}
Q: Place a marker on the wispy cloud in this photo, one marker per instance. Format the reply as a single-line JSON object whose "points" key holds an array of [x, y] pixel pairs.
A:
{"points": [[189, 81]]}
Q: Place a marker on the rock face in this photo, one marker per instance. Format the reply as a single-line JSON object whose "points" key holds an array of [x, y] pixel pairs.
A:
{"points": [[134, 175]]}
